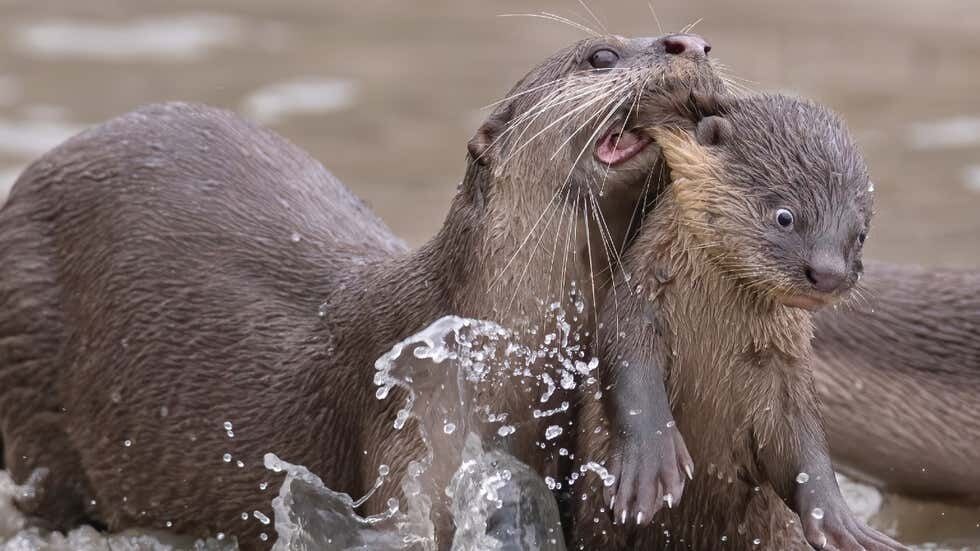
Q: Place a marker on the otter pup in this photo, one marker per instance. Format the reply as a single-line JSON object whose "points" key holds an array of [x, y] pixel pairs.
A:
{"points": [[764, 222], [178, 268]]}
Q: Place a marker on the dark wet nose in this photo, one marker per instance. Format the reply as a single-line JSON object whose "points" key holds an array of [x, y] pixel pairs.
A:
{"points": [[826, 277], [690, 45]]}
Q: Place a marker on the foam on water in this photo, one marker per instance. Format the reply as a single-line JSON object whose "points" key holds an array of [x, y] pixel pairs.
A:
{"points": [[167, 38], [275, 102], [952, 132], [31, 138]]}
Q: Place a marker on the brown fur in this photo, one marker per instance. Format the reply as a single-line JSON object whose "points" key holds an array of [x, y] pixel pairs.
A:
{"points": [[736, 360], [898, 375], [162, 273]]}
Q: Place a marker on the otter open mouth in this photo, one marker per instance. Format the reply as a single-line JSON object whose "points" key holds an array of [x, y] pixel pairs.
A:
{"points": [[616, 146]]}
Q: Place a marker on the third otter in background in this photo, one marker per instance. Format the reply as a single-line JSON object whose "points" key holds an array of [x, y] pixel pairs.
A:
{"points": [[898, 374]]}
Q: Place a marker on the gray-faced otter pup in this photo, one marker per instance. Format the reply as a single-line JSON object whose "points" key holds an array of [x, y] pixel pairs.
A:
{"points": [[178, 268], [764, 221]]}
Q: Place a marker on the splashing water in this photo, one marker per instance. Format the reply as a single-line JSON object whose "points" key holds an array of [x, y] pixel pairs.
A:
{"points": [[496, 502], [493, 498]]}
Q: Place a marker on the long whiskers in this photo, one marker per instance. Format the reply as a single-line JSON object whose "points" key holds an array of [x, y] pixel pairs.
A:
{"points": [[557, 18]]}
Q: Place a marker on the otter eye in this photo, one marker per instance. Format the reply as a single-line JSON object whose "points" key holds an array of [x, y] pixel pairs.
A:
{"points": [[603, 59], [862, 236], [784, 217]]}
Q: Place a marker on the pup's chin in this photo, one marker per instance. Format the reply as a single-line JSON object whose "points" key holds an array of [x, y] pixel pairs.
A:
{"points": [[811, 303]]}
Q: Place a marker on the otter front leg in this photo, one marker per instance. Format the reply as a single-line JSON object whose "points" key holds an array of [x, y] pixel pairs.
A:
{"points": [[649, 458], [811, 490]]}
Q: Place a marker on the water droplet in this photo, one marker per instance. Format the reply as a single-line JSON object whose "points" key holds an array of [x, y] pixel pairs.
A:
{"points": [[802, 478], [383, 470], [817, 513], [116, 396], [261, 517], [550, 482], [240, 464], [635, 411], [295, 237], [170, 524], [506, 430], [220, 536], [263, 537], [321, 312], [226, 457], [756, 541], [127, 443], [244, 516], [552, 432], [263, 485], [449, 428], [227, 425]]}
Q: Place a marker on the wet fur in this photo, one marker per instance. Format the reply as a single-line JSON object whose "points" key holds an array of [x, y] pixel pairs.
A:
{"points": [[151, 263], [898, 375], [736, 361]]}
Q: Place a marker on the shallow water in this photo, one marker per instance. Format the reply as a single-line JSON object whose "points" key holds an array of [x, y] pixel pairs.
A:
{"points": [[441, 369], [387, 93]]}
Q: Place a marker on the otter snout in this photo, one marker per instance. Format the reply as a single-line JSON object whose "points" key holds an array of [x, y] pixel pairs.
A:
{"points": [[826, 272], [687, 45]]}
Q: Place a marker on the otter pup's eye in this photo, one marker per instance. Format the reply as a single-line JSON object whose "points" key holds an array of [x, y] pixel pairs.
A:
{"points": [[784, 217], [862, 236], [603, 59]]}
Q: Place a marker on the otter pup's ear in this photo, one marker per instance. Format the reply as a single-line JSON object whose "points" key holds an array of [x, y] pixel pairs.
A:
{"points": [[486, 136], [713, 130]]}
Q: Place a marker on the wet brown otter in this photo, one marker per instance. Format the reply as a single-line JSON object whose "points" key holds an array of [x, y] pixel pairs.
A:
{"points": [[765, 219], [898, 375], [178, 268]]}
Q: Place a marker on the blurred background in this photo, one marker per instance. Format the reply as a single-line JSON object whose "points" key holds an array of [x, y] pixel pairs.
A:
{"points": [[386, 94]]}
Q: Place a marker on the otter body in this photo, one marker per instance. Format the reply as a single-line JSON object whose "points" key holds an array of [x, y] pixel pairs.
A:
{"points": [[898, 375], [734, 251], [156, 283], [178, 268]]}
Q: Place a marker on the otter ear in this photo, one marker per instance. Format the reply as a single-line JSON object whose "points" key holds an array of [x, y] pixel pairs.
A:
{"points": [[713, 130], [486, 136]]}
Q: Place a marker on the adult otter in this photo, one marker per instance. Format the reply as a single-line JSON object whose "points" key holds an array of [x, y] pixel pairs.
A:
{"points": [[898, 375], [765, 220], [178, 268]]}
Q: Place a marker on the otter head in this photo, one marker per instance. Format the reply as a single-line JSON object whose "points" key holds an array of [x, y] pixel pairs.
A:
{"points": [[778, 192], [560, 166]]}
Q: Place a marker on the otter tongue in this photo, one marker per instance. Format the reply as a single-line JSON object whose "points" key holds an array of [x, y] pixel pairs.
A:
{"points": [[614, 147]]}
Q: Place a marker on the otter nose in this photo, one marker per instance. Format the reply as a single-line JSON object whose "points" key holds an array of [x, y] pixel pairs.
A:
{"points": [[826, 277], [689, 45]]}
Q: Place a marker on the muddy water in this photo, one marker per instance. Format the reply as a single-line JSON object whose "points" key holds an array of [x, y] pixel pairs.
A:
{"points": [[385, 93]]}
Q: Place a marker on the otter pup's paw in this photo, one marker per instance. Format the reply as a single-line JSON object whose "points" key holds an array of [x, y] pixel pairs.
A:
{"points": [[839, 531], [650, 467]]}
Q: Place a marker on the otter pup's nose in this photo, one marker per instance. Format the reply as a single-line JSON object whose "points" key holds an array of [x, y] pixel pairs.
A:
{"points": [[690, 45], [826, 277]]}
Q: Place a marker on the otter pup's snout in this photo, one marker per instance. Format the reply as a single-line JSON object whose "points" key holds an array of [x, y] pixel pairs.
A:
{"points": [[827, 272]]}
